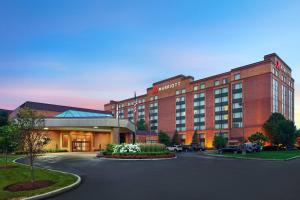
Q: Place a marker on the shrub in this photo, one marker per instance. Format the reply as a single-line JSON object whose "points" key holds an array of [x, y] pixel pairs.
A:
{"points": [[126, 148], [110, 148], [219, 142], [152, 147], [163, 138], [55, 150]]}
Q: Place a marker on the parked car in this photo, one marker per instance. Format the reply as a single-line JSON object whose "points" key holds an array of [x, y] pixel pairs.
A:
{"points": [[231, 149], [196, 147], [187, 148], [176, 148]]}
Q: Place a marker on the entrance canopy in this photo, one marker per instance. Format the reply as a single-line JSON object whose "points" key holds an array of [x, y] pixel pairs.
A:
{"points": [[88, 123]]}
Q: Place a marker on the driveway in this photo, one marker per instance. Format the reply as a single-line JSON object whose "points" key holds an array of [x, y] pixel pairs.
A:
{"points": [[188, 177]]}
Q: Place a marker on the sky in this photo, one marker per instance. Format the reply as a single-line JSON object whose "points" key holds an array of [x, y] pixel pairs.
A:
{"points": [[85, 53]]}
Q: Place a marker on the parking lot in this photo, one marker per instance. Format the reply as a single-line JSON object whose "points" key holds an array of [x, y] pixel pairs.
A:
{"points": [[190, 176]]}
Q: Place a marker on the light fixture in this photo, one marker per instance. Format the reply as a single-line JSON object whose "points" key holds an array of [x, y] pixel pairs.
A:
{"points": [[95, 126], [46, 128]]}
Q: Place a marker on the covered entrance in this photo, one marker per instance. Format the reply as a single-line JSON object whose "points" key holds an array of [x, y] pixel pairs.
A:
{"points": [[81, 142]]}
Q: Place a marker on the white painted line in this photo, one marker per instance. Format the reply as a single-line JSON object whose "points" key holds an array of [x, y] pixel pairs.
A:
{"points": [[54, 192]]}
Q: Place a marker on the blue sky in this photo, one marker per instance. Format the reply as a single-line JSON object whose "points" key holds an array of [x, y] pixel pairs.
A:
{"points": [[84, 53]]}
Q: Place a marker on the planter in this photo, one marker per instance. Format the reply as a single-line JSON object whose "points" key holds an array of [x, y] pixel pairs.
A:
{"points": [[137, 156]]}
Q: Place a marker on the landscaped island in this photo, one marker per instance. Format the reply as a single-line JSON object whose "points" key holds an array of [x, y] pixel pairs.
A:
{"points": [[137, 151], [15, 180], [274, 155]]}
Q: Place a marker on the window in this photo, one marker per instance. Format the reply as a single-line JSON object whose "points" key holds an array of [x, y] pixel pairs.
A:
{"points": [[202, 86], [237, 76], [218, 91], [177, 92], [156, 97], [237, 86], [65, 141], [195, 88], [225, 80], [217, 82], [275, 95], [237, 96], [183, 91]]}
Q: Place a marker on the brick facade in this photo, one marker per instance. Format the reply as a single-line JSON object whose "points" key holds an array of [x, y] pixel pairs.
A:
{"points": [[256, 100]]}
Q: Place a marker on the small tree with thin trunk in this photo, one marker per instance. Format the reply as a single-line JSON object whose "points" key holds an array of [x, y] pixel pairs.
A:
{"points": [[9, 140], [195, 137], [175, 138], [33, 137]]}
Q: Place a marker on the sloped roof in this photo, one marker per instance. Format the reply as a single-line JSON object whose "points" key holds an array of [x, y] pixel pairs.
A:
{"points": [[77, 114], [57, 108]]}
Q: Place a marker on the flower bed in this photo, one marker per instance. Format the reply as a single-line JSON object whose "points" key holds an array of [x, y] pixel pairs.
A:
{"points": [[137, 151]]}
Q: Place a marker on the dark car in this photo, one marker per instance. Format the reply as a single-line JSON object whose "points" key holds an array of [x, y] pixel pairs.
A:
{"points": [[187, 148], [231, 149]]}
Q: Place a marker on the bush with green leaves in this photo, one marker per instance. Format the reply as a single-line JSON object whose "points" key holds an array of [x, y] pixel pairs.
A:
{"points": [[258, 138], [163, 138], [282, 131], [219, 142]]}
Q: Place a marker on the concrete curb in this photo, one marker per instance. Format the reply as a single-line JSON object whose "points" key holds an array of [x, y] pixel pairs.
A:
{"points": [[137, 159], [54, 192], [240, 158]]}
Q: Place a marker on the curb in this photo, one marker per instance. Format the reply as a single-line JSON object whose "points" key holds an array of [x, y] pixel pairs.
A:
{"points": [[292, 158], [137, 159], [240, 158], [54, 192]]}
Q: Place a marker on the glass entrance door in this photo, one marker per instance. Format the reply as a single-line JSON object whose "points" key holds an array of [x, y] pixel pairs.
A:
{"points": [[79, 146]]}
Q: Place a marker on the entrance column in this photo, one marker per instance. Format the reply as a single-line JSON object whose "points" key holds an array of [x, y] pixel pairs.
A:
{"points": [[115, 136]]}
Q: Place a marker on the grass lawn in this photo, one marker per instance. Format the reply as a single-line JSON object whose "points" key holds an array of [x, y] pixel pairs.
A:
{"points": [[278, 155], [22, 173]]}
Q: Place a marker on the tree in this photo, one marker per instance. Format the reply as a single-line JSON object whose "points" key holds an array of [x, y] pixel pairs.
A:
{"points": [[219, 142], [8, 140], [163, 138], [286, 134], [258, 138], [195, 138], [141, 125], [33, 137], [283, 132], [175, 138], [3, 118]]}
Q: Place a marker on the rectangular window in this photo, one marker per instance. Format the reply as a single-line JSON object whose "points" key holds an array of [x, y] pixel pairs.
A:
{"points": [[275, 95], [202, 86], [217, 82], [225, 80], [237, 76], [195, 88]]}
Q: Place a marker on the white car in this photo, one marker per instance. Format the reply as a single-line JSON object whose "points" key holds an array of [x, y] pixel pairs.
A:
{"points": [[175, 148]]}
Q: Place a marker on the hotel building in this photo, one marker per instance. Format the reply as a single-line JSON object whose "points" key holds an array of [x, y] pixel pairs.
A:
{"points": [[234, 104]]}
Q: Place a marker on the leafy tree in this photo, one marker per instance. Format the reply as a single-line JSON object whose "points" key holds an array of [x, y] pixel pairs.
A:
{"points": [[3, 118], [286, 134], [175, 138], [258, 138], [219, 142], [32, 134], [8, 140], [195, 138], [163, 138], [141, 125], [282, 131]]}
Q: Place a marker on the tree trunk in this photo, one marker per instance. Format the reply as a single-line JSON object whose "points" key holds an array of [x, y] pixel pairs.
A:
{"points": [[6, 158], [31, 167]]}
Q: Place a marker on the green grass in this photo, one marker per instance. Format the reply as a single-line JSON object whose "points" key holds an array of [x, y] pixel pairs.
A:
{"points": [[277, 155], [22, 173]]}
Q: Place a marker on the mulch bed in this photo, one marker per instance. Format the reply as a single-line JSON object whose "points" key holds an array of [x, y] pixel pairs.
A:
{"points": [[28, 186], [170, 155], [7, 167]]}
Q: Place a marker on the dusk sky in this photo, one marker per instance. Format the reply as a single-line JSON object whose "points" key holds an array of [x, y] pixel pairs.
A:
{"points": [[85, 53]]}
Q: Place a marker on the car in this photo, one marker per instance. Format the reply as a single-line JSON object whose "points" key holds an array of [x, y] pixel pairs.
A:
{"points": [[197, 147], [176, 148], [231, 149], [187, 148]]}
